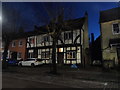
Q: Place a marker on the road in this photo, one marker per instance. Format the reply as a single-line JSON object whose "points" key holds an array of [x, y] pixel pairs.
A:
{"points": [[13, 82], [25, 77]]}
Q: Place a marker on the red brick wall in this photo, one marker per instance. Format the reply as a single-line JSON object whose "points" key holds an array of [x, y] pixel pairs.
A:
{"points": [[18, 48]]}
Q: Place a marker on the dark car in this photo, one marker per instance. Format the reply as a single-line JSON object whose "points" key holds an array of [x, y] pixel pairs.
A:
{"points": [[12, 62]]}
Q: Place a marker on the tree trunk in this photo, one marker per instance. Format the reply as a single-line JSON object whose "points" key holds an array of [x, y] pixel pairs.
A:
{"points": [[54, 68]]}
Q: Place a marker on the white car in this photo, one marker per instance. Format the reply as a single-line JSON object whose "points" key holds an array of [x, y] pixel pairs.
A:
{"points": [[31, 62]]}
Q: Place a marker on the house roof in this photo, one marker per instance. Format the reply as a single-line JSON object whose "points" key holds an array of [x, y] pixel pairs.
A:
{"points": [[109, 15], [76, 23], [70, 24]]}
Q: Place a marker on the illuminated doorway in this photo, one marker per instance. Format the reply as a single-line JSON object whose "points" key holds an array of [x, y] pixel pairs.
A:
{"points": [[60, 56]]}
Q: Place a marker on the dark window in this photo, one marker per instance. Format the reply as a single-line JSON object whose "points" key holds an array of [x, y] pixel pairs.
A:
{"points": [[31, 40], [46, 38], [20, 43], [45, 54], [68, 35], [116, 28], [19, 55]]}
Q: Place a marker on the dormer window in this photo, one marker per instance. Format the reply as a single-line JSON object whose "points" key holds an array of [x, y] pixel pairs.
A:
{"points": [[116, 28]]}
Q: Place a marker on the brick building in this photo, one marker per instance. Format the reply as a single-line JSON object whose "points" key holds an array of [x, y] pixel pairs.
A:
{"points": [[17, 49]]}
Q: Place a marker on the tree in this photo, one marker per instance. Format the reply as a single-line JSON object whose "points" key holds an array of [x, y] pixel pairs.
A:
{"points": [[7, 38], [55, 27]]}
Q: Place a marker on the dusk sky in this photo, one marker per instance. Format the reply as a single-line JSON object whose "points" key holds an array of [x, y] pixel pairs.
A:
{"points": [[35, 13]]}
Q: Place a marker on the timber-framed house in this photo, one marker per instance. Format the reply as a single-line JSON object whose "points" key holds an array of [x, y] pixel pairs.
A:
{"points": [[71, 51]]}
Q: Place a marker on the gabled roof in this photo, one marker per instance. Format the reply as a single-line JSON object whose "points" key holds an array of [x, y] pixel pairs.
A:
{"points": [[76, 23], [109, 15]]}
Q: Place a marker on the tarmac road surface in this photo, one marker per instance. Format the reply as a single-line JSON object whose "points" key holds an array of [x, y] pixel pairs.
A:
{"points": [[13, 82]]}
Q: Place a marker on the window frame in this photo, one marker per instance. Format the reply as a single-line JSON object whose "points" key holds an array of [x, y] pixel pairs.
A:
{"points": [[73, 53], [68, 35], [31, 40], [114, 33], [19, 43], [13, 43], [46, 38], [46, 53], [19, 54]]}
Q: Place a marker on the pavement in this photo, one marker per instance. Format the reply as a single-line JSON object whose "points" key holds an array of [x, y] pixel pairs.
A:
{"points": [[90, 77]]}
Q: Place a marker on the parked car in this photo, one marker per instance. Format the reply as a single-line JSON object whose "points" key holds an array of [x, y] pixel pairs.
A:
{"points": [[12, 62], [31, 62]]}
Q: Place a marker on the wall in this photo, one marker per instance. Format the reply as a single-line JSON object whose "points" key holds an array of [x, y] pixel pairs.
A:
{"points": [[18, 48], [106, 34]]}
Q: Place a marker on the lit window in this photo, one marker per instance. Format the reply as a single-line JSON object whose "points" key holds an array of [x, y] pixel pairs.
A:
{"points": [[45, 55], [116, 28], [60, 49], [71, 55], [13, 44], [31, 55], [39, 52]]}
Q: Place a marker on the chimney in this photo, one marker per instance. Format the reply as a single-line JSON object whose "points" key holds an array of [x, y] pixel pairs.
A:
{"points": [[86, 14], [92, 37]]}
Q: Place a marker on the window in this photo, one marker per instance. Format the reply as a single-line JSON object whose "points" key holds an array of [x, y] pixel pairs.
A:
{"points": [[45, 55], [19, 55], [31, 40], [20, 43], [31, 55], [46, 38], [68, 35], [116, 28], [71, 54], [13, 44]]}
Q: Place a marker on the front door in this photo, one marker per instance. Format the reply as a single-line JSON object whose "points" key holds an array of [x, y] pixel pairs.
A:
{"points": [[60, 58], [118, 54], [14, 55]]}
